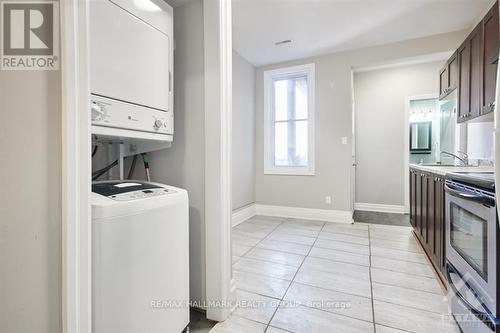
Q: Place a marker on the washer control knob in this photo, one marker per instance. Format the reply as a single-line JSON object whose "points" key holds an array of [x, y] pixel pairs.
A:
{"points": [[158, 124], [96, 111]]}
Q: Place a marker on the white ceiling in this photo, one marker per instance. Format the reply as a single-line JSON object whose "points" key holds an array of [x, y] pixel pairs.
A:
{"points": [[325, 26]]}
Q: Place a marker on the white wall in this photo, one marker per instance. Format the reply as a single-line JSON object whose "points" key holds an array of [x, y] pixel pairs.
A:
{"points": [[30, 201], [243, 150], [333, 121], [380, 104], [183, 164]]}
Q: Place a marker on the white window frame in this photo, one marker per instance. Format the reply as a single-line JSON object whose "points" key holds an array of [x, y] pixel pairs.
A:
{"points": [[269, 77]]}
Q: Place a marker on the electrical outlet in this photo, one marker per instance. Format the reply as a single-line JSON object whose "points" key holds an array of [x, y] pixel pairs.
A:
{"points": [[344, 140], [328, 199]]}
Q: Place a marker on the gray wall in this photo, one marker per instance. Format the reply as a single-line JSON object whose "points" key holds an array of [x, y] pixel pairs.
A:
{"points": [[380, 104], [30, 202], [333, 121], [243, 150], [183, 164]]}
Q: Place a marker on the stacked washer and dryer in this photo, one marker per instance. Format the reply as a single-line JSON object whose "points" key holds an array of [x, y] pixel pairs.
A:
{"points": [[140, 235]]}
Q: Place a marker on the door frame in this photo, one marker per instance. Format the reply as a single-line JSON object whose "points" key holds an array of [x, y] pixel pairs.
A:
{"points": [[77, 163], [406, 146], [220, 285], [352, 173], [76, 169]]}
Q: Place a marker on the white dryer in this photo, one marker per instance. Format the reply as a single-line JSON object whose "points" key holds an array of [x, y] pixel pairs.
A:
{"points": [[140, 268]]}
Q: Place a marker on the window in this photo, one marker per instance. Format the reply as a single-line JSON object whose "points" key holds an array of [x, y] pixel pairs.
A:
{"points": [[289, 121]]}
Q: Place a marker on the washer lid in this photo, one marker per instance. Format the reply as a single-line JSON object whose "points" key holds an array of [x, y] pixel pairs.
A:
{"points": [[128, 190], [113, 188]]}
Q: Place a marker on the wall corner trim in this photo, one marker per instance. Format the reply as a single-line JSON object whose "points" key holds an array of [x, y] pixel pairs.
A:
{"points": [[327, 215], [242, 214], [396, 209]]}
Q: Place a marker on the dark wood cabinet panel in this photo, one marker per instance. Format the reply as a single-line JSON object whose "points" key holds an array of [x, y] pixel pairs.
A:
{"points": [[477, 62], [490, 41], [475, 72], [418, 203], [431, 214], [443, 81], [423, 221], [469, 76], [448, 76], [453, 72], [427, 215], [463, 81], [413, 183], [440, 245]]}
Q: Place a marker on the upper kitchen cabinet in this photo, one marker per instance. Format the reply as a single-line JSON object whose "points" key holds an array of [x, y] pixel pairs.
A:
{"points": [[469, 76], [463, 81], [490, 41], [477, 60], [448, 76]]}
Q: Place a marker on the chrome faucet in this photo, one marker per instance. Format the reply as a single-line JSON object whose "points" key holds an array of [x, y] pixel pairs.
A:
{"points": [[464, 159], [464, 155]]}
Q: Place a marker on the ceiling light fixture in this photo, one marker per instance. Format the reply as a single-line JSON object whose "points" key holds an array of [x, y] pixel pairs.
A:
{"points": [[286, 41]]}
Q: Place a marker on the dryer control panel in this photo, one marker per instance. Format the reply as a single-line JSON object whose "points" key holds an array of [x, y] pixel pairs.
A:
{"points": [[112, 113]]}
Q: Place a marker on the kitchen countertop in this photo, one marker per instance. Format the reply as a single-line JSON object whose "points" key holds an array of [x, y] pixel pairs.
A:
{"points": [[443, 170]]}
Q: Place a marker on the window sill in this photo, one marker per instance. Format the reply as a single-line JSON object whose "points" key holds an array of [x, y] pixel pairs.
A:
{"points": [[289, 172]]}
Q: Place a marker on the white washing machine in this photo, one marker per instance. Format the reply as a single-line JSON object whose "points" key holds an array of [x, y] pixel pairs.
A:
{"points": [[140, 244]]}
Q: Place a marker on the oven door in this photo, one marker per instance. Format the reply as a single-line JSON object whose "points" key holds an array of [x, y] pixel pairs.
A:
{"points": [[471, 233], [466, 307]]}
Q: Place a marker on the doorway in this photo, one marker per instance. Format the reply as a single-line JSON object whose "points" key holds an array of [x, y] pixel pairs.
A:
{"points": [[423, 124]]}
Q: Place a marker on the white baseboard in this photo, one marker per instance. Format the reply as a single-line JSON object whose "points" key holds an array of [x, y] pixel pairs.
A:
{"points": [[379, 208], [327, 215], [240, 215]]}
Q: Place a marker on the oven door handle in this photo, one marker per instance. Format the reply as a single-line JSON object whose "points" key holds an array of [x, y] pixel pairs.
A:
{"points": [[482, 199], [485, 317]]}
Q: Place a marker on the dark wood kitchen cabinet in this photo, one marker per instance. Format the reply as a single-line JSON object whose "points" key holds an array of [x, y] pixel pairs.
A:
{"points": [[490, 41], [427, 215], [477, 62], [469, 76], [448, 76]]}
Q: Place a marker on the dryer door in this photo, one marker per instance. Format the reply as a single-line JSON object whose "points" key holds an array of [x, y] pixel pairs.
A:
{"points": [[129, 58]]}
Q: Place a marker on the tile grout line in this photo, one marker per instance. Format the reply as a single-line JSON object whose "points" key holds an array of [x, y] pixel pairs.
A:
{"points": [[308, 255], [253, 247], [293, 279], [371, 282], [342, 292]]}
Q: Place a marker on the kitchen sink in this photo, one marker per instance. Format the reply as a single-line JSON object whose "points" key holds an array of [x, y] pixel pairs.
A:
{"points": [[446, 165]]}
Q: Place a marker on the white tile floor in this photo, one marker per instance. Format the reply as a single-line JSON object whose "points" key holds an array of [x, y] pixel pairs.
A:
{"points": [[309, 276]]}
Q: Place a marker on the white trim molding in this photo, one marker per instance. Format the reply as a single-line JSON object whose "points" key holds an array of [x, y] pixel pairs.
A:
{"points": [[242, 214], [76, 170], [220, 285], [433, 57], [379, 208], [269, 120], [327, 215]]}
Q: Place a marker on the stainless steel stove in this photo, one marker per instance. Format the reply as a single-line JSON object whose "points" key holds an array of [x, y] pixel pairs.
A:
{"points": [[483, 180], [472, 236]]}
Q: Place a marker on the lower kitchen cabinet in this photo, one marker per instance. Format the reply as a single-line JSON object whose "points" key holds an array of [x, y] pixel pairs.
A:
{"points": [[427, 215]]}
